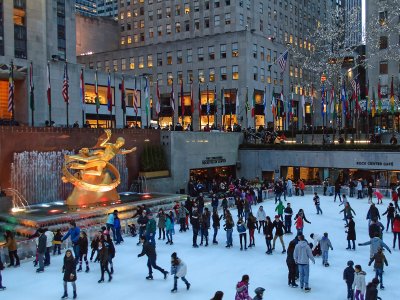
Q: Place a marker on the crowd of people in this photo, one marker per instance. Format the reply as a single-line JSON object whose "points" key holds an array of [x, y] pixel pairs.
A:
{"points": [[230, 207]]}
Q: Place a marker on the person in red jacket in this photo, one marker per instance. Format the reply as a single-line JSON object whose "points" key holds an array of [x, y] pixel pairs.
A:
{"points": [[395, 199], [396, 230]]}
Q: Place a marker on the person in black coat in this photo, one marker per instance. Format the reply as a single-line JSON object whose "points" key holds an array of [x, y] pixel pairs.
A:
{"points": [[195, 226], [390, 211], [41, 249], [288, 218], [278, 225], [83, 250], [372, 291], [268, 228], [373, 213], [150, 250], [69, 270], [216, 225], [103, 260], [291, 264], [142, 222], [351, 233], [348, 277]]}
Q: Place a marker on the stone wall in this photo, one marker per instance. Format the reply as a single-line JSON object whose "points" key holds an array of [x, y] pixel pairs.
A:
{"points": [[19, 139]]}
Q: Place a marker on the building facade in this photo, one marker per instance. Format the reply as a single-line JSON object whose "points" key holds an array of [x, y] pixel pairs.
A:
{"points": [[220, 51], [108, 8], [86, 7], [353, 21]]}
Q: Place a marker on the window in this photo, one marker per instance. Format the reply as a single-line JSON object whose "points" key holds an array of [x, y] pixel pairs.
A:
{"points": [[262, 50], [169, 58], [159, 60], [179, 76], [217, 20], [168, 12], [187, 25], [159, 14], [383, 68], [141, 62], [383, 17], [201, 78], [160, 79], [197, 24], [150, 15], [206, 22], [159, 30], [216, 3], [189, 55], [178, 27], [190, 76], [149, 61], [177, 10], [211, 77], [262, 74], [179, 58], [383, 42], [132, 63], [123, 64], [170, 78], [115, 65], [235, 49], [151, 32], [211, 53], [200, 54], [241, 20], [223, 73], [254, 50], [187, 8], [235, 72], [168, 29], [268, 55], [227, 19], [196, 6], [255, 73], [122, 40], [261, 8], [206, 4], [223, 51]]}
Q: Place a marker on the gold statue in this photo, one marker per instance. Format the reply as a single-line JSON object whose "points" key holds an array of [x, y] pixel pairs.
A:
{"points": [[92, 180]]}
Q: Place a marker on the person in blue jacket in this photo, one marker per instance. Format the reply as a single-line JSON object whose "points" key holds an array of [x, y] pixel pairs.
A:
{"points": [[74, 232]]}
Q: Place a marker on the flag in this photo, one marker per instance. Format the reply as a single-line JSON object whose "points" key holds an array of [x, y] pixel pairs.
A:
{"points": [[96, 92], [191, 99], [215, 100], [281, 105], [247, 100], [312, 98], [172, 97], [147, 97], [343, 99], [253, 105], [82, 89], [135, 99], [323, 107], [281, 61], [367, 100], [158, 105], [109, 95], [303, 104], [31, 88], [273, 104], [265, 100], [373, 103], [123, 103], [392, 97], [48, 85], [199, 102], [223, 103], [333, 102], [208, 103], [182, 101], [354, 86], [11, 89], [65, 92], [379, 98], [358, 96]]}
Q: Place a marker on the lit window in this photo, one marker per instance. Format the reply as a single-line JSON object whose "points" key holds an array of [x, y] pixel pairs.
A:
{"points": [[123, 40], [149, 61], [129, 39], [211, 75], [169, 58], [132, 63], [141, 62], [170, 78], [235, 72], [201, 76], [187, 8], [235, 49]]}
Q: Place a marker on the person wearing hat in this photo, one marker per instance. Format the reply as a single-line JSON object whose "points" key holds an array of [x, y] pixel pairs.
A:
{"points": [[179, 270], [259, 293], [351, 233], [390, 216], [348, 277]]}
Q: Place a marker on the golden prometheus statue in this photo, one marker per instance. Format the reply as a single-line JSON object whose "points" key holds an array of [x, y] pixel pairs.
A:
{"points": [[94, 178]]}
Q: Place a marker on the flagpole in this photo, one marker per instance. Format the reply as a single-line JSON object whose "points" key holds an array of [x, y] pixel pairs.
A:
{"points": [[97, 100], [32, 104], [223, 109], [83, 98], [13, 92], [208, 109], [67, 102]]}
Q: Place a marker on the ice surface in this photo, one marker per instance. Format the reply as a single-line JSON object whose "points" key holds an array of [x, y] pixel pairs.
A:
{"points": [[215, 268]]}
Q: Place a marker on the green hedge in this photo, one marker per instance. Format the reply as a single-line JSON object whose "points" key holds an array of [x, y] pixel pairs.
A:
{"points": [[153, 159]]}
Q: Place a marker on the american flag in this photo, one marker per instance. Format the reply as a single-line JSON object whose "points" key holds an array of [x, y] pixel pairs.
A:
{"points": [[65, 87], [172, 97], [281, 61], [11, 90], [158, 106], [354, 86]]}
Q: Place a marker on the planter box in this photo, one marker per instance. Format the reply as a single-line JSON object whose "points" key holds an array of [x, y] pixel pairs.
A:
{"points": [[155, 174]]}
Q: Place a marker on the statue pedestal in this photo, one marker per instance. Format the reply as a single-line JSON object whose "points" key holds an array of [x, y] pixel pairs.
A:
{"points": [[82, 198]]}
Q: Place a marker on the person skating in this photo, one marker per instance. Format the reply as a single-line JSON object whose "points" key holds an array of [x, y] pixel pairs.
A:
{"points": [[395, 199], [390, 211], [117, 227], [359, 283], [325, 185], [338, 187], [169, 227], [73, 232], [300, 218], [380, 260], [396, 230], [218, 295], [150, 251], [83, 251], [315, 246], [103, 260], [351, 233], [182, 212], [325, 245], [317, 203], [288, 218], [142, 222], [260, 218], [205, 226], [179, 270], [347, 211], [216, 225], [111, 251], [373, 213], [251, 225], [161, 223], [259, 293], [372, 291], [375, 243], [370, 192], [348, 277], [291, 264], [375, 229], [57, 241], [2, 287], [279, 209], [228, 226], [69, 270], [41, 249], [359, 188], [241, 228], [302, 256], [278, 225], [11, 244], [268, 233], [151, 228], [242, 289], [94, 245]]}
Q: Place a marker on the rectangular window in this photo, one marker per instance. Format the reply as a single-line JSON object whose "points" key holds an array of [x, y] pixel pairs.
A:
{"points": [[227, 19], [223, 74], [132, 63], [235, 72], [150, 15], [206, 22], [200, 54], [383, 68], [383, 42], [115, 65], [168, 29], [159, 60], [187, 26], [159, 30], [151, 32], [189, 55], [159, 14], [169, 58], [168, 12], [123, 64], [197, 24], [217, 20], [141, 62], [235, 49], [196, 5], [187, 8], [178, 27], [211, 53], [255, 73], [160, 79], [149, 61], [211, 73], [223, 51], [177, 10], [262, 74], [170, 78], [179, 59], [190, 76], [254, 50], [201, 78]]}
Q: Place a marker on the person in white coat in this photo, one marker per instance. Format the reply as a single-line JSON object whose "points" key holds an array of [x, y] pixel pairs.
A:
{"points": [[359, 189], [289, 187], [359, 285], [49, 243], [179, 270], [261, 216]]}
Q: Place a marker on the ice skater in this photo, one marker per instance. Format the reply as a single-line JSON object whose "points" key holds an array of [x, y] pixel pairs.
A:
{"points": [[325, 244], [69, 270], [150, 250], [317, 203], [83, 251], [179, 270], [380, 260], [359, 283], [302, 256], [351, 233], [348, 277], [242, 289]]}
